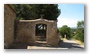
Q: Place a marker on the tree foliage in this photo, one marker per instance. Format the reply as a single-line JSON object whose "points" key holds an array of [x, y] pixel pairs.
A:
{"points": [[65, 30], [80, 31], [35, 11], [80, 24]]}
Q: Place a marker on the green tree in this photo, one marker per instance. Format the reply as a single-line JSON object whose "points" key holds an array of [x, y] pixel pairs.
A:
{"points": [[80, 24], [35, 11], [65, 30], [79, 31], [23, 11]]}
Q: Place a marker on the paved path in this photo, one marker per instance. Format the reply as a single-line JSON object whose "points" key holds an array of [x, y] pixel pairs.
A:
{"points": [[71, 44], [66, 44]]}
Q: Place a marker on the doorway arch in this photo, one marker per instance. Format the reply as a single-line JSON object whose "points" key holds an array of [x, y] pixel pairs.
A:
{"points": [[41, 32]]}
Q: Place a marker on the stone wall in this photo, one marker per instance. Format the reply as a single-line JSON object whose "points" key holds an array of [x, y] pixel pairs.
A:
{"points": [[53, 36], [25, 31], [9, 17]]}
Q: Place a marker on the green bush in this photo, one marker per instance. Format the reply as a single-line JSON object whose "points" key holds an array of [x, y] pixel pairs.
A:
{"points": [[79, 35], [65, 30]]}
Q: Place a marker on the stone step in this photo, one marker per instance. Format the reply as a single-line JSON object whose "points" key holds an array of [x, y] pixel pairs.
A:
{"points": [[41, 43]]}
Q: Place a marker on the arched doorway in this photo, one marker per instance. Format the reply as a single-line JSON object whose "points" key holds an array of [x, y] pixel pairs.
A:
{"points": [[40, 32]]}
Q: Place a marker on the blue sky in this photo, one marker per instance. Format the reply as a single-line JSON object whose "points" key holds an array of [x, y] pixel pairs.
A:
{"points": [[70, 14]]}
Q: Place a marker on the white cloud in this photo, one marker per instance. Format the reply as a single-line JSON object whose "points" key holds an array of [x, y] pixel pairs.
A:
{"points": [[67, 21]]}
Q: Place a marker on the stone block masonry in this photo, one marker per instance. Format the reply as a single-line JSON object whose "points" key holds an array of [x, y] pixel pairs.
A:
{"points": [[9, 17]]}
